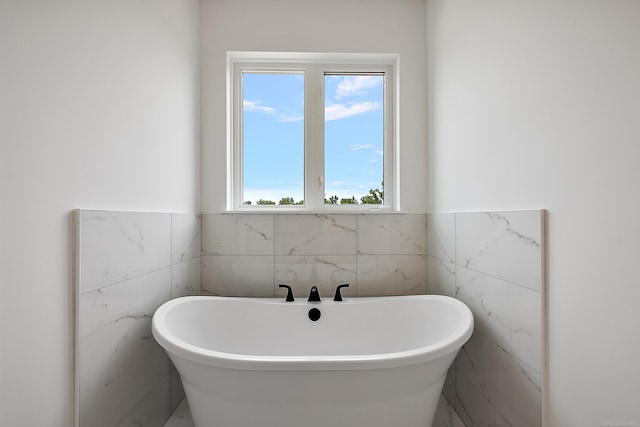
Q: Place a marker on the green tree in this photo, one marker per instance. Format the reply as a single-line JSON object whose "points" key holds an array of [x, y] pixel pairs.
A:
{"points": [[265, 202], [333, 200], [286, 201], [351, 201], [290, 201], [375, 196]]}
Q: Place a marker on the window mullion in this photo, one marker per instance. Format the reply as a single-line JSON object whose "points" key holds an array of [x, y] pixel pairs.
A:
{"points": [[319, 135], [314, 154]]}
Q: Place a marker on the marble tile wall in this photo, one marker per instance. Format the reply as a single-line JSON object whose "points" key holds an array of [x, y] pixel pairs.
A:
{"points": [[128, 264], [250, 254], [493, 262]]}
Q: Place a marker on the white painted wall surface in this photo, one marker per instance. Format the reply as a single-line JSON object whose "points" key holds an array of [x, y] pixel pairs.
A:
{"points": [[369, 26], [98, 109], [537, 105]]}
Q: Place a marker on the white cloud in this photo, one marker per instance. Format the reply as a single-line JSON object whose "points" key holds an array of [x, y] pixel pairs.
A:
{"points": [[362, 147], [288, 119], [343, 111], [356, 85], [255, 106]]}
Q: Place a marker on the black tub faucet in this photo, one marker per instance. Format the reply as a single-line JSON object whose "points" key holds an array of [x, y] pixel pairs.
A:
{"points": [[289, 292], [338, 295], [314, 296]]}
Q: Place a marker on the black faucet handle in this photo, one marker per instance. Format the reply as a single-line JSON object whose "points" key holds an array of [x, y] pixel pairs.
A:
{"points": [[338, 295], [289, 297], [314, 295]]}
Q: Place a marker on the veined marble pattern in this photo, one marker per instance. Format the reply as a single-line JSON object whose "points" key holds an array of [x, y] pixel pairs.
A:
{"points": [[117, 316], [392, 275], [177, 391], [186, 237], [494, 262], [116, 246], [181, 417], [247, 276], [441, 277], [108, 395], [506, 313], [507, 245], [377, 254], [449, 388], [325, 271], [129, 263], [154, 409], [473, 408], [396, 234], [186, 278], [249, 254], [315, 234], [446, 416], [237, 234], [512, 387], [441, 236]]}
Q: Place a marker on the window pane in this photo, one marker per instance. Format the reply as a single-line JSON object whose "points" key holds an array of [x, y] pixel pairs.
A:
{"points": [[273, 138], [354, 138]]}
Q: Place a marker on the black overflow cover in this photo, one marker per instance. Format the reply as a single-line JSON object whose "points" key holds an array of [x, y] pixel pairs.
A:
{"points": [[314, 314]]}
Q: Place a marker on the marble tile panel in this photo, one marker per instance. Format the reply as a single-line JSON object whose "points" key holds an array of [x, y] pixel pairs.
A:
{"points": [[512, 387], [391, 234], [186, 278], [181, 417], [324, 271], [237, 234], [380, 275], [153, 410], [110, 393], [186, 237], [446, 416], [508, 314], [315, 234], [474, 409], [177, 390], [449, 388], [229, 275], [116, 317], [441, 277], [507, 245], [441, 236], [116, 246]]}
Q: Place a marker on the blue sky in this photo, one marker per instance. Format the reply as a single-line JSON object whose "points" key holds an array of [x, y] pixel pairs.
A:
{"points": [[274, 135]]}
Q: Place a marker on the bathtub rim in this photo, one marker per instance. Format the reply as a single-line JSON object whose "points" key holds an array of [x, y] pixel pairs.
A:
{"points": [[178, 347]]}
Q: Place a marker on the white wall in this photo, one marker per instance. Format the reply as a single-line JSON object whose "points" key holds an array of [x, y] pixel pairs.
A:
{"points": [[98, 109], [536, 105], [369, 26]]}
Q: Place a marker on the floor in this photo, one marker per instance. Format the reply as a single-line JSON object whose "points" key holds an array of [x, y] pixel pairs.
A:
{"points": [[445, 417]]}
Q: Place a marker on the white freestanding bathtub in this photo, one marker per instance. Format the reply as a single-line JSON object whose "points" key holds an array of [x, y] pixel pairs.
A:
{"points": [[375, 362]]}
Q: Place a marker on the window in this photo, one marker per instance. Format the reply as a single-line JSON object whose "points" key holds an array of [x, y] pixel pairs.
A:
{"points": [[311, 132]]}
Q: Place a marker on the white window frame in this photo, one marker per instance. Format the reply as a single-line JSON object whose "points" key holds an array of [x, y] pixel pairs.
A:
{"points": [[314, 66]]}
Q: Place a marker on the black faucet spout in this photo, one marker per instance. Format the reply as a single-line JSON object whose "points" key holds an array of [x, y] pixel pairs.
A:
{"points": [[314, 296], [338, 296]]}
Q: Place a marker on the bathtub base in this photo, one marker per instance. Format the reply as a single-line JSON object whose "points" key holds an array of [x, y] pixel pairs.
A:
{"points": [[397, 397]]}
